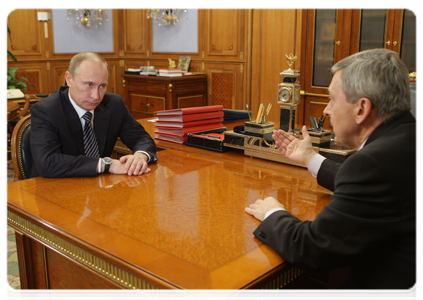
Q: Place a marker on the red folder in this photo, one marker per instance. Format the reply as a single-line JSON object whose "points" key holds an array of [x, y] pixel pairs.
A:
{"points": [[189, 110], [172, 138], [185, 131], [188, 124], [190, 117]]}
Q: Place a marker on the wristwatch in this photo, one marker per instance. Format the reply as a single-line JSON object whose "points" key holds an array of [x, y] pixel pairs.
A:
{"points": [[107, 162]]}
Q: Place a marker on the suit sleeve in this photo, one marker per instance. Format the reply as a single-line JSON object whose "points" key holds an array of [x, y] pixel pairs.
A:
{"points": [[327, 173], [134, 136], [362, 215], [47, 149]]}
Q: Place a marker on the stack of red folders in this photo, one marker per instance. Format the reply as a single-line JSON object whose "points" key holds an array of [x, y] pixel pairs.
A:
{"points": [[173, 125]]}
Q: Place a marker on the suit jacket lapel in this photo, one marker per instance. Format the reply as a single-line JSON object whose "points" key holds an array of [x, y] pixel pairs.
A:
{"points": [[73, 120], [101, 124]]}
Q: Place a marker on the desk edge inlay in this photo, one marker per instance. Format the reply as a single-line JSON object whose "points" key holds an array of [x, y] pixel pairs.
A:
{"points": [[91, 261]]}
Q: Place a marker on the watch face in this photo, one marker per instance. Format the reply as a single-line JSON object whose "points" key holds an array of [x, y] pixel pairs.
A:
{"points": [[107, 160], [284, 94]]}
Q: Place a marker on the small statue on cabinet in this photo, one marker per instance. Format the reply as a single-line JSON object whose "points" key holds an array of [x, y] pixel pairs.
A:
{"points": [[172, 64]]}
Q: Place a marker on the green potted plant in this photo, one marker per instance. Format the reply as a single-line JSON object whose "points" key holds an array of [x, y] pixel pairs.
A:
{"points": [[14, 82]]}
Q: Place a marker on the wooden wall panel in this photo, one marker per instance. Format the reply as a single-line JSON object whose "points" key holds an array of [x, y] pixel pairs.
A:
{"points": [[26, 34], [314, 106], [224, 87], [242, 51], [274, 35], [136, 33], [58, 70], [114, 86], [223, 32], [36, 72]]}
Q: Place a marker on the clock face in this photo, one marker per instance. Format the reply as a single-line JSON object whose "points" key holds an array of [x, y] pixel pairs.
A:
{"points": [[284, 94]]}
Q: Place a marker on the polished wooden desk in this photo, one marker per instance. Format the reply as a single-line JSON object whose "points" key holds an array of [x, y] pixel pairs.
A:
{"points": [[183, 226]]}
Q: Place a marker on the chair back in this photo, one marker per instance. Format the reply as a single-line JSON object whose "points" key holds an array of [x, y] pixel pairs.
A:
{"points": [[21, 149]]}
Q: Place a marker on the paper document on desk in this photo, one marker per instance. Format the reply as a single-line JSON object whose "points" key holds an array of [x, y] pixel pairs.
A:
{"points": [[14, 94]]}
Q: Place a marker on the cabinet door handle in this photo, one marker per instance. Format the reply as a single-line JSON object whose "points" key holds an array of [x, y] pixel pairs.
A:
{"points": [[388, 43], [338, 43], [395, 43]]}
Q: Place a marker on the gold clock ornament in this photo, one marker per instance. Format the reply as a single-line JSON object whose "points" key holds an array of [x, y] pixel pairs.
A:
{"points": [[289, 89], [289, 94]]}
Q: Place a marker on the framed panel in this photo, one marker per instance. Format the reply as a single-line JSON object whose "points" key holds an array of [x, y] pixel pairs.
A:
{"points": [[58, 70], [222, 86], [224, 32], [26, 34], [135, 31]]}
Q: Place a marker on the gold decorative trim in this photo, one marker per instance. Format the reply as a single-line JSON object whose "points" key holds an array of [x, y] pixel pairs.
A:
{"points": [[284, 279], [75, 253], [317, 95], [319, 103]]}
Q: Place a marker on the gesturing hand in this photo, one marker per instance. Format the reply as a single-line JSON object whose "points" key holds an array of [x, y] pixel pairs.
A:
{"points": [[300, 151]]}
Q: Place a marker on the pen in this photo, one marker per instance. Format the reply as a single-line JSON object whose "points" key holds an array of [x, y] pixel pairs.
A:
{"points": [[260, 112], [268, 108], [249, 114], [265, 114]]}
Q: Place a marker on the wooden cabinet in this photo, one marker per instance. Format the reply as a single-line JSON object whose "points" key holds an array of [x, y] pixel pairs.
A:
{"points": [[147, 94], [330, 35]]}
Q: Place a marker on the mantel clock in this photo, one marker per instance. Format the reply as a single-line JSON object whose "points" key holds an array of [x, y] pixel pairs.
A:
{"points": [[289, 95]]}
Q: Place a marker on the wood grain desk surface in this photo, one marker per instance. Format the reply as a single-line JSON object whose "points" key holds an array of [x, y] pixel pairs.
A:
{"points": [[181, 226]]}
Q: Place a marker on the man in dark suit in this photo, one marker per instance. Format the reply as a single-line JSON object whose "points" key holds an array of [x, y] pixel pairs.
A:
{"points": [[370, 222], [62, 145]]}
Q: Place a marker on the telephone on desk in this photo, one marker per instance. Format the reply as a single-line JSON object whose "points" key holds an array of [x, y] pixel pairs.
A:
{"points": [[13, 94]]}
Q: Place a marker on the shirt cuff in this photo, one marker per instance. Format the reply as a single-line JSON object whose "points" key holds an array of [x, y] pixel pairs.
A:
{"points": [[148, 155], [315, 164], [99, 166], [272, 211]]}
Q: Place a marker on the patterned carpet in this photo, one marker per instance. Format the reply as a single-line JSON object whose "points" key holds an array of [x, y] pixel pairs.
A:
{"points": [[12, 256]]}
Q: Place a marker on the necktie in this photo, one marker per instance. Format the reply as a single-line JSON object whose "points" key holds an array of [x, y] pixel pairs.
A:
{"points": [[90, 141]]}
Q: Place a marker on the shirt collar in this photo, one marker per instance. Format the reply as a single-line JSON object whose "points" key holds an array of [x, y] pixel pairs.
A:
{"points": [[362, 145], [80, 111]]}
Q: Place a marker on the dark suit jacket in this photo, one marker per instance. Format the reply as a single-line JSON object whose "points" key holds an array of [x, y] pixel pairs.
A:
{"points": [[57, 138], [370, 222]]}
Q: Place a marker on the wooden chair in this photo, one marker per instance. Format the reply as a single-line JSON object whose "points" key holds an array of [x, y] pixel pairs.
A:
{"points": [[21, 149]]}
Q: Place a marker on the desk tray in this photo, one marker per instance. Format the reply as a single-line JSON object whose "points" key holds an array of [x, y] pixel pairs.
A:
{"points": [[208, 144]]}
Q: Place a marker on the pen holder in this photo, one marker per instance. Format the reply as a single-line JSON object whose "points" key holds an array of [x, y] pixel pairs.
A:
{"points": [[319, 139], [260, 130]]}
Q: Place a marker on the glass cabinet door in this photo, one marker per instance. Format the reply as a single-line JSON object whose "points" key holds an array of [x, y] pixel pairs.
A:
{"points": [[408, 40], [324, 46], [373, 24]]}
